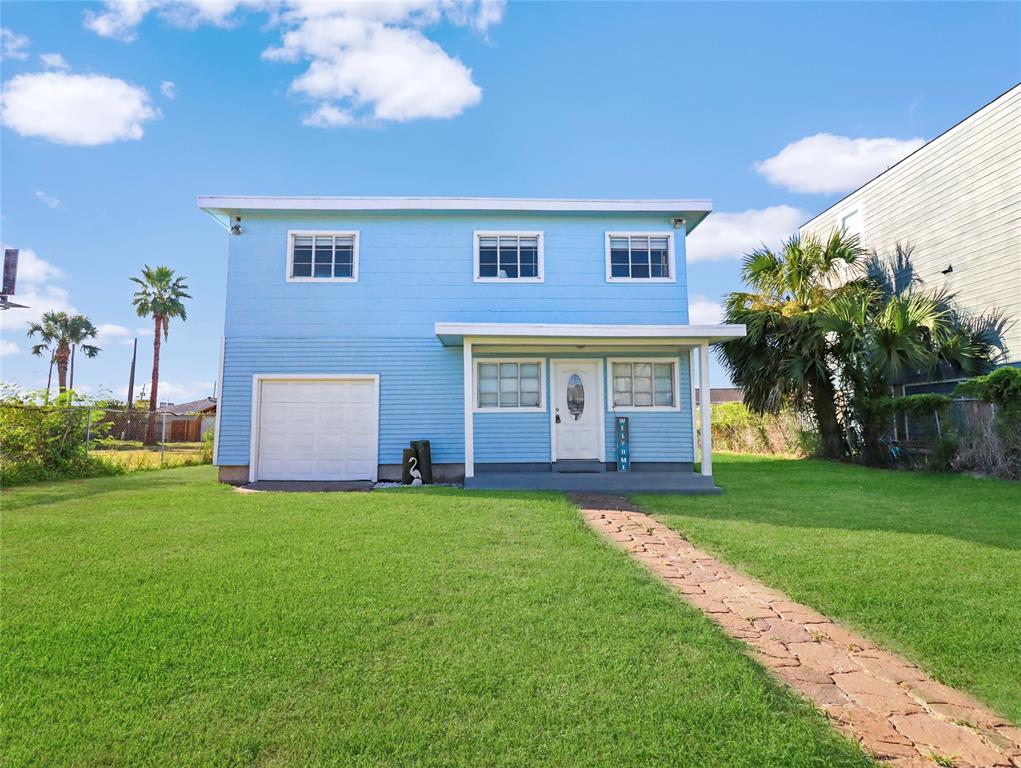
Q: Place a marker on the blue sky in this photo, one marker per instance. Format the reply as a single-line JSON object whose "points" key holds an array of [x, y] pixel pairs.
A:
{"points": [[105, 147]]}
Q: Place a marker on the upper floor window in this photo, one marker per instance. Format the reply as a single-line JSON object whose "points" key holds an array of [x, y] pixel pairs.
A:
{"points": [[511, 256], [322, 257], [640, 256]]}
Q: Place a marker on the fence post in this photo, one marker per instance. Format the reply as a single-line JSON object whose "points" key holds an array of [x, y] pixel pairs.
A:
{"points": [[939, 429], [163, 442], [88, 433]]}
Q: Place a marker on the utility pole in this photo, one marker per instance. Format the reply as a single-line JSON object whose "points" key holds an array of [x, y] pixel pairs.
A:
{"points": [[131, 375], [131, 391]]}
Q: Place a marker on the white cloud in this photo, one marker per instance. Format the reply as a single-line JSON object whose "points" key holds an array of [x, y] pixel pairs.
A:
{"points": [[12, 45], [392, 73], [704, 311], [731, 235], [48, 200], [110, 333], [327, 116], [120, 18], [54, 61], [168, 89], [830, 164], [182, 392], [33, 270], [8, 348], [82, 110], [366, 60]]}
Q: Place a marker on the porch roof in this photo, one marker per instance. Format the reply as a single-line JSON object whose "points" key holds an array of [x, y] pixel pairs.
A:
{"points": [[454, 334]]}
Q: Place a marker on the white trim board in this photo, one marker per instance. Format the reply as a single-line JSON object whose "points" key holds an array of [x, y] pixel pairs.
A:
{"points": [[452, 334], [232, 203], [257, 381]]}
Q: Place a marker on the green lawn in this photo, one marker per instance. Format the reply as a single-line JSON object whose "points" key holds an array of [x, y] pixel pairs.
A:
{"points": [[929, 565], [159, 619]]}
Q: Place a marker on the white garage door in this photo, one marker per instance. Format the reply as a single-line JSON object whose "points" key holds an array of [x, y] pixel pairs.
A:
{"points": [[317, 429]]}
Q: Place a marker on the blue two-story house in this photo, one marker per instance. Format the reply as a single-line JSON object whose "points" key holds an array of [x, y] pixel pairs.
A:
{"points": [[512, 334]]}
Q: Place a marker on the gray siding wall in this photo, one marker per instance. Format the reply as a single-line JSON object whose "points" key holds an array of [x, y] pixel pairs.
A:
{"points": [[957, 201]]}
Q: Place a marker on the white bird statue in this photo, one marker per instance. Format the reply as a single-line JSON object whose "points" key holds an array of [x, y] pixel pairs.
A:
{"points": [[416, 476]]}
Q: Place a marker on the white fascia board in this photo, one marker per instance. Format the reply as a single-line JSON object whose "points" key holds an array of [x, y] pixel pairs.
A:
{"points": [[232, 203], [453, 334]]}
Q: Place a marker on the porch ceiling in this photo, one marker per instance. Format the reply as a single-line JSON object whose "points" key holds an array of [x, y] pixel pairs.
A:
{"points": [[454, 334]]}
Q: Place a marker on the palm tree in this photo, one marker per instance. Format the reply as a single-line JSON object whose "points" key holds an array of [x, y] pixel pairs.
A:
{"points": [[784, 360], [886, 327], [60, 334], [161, 296]]}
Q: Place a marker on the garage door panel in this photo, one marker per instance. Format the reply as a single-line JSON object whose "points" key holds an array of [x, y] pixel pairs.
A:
{"points": [[318, 430]]}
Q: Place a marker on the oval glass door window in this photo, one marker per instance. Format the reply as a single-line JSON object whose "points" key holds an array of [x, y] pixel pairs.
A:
{"points": [[575, 395]]}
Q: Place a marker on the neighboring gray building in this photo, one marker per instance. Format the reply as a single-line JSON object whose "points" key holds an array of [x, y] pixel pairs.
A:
{"points": [[957, 202]]}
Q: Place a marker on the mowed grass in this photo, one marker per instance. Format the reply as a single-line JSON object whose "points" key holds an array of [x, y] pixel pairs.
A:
{"points": [[927, 564], [160, 619]]}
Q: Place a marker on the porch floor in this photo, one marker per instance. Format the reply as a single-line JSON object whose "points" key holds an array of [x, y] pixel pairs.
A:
{"points": [[595, 482]]}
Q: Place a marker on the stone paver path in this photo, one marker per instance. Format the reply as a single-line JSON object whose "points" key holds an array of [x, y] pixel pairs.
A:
{"points": [[893, 709]]}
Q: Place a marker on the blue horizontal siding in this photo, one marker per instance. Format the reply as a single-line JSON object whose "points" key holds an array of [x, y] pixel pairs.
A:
{"points": [[658, 436], [417, 269], [421, 391], [513, 437]]}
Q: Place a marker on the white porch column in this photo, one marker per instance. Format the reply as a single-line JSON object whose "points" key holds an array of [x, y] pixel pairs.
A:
{"points": [[705, 409], [469, 407], [692, 359]]}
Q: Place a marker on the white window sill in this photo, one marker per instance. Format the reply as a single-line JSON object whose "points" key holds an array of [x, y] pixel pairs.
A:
{"points": [[645, 409], [322, 280], [517, 409]]}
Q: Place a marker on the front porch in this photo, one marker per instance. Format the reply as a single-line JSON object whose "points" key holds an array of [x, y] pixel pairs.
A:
{"points": [[651, 481], [618, 400]]}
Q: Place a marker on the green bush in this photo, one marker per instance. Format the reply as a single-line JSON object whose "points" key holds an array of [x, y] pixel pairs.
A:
{"points": [[1002, 388], [738, 429], [44, 441], [207, 447]]}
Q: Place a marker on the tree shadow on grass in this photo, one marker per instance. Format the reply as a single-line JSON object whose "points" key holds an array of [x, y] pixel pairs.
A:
{"points": [[811, 493]]}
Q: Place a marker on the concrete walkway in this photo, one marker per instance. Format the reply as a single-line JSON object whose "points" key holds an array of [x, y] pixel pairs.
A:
{"points": [[894, 710]]}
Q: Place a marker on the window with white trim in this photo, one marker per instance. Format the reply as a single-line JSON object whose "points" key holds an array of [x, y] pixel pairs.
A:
{"points": [[327, 256], [504, 384], [645, 384], [639, 256], [514, 256]]}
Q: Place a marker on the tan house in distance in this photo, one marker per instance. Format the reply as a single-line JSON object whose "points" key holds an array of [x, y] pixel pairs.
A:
{"points": [[957, 202]]}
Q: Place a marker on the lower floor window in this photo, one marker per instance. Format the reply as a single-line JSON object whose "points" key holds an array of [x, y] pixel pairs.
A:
{"points": [[509, 385], [644, 384]]}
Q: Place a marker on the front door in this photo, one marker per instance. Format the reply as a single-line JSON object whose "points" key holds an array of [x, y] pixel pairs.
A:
{"points": [[577, 410]]}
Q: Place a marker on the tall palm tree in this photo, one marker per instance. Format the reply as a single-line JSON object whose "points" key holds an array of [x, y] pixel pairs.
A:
{"points": [[886, 326], [785, 357], [161, 296], [60, 334]]}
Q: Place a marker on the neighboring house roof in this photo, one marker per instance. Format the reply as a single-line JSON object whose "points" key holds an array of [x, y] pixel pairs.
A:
{"points": [[222, 207], [205, 405], [722, 395]]}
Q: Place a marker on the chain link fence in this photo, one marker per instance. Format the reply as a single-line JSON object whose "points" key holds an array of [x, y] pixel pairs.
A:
{"points": [[130, 439]]}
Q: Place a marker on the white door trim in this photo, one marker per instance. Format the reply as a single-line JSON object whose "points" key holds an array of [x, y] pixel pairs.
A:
{"points": [[600, 364], [257, 381]]}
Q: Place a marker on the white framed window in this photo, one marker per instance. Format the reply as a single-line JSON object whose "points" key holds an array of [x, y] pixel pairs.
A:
{"points": [[853, 223], [514, 257], [322, 257], [641, 385], [503, 385], [645, 256]]}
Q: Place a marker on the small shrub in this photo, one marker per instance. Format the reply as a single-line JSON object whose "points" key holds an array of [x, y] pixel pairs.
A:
{"points": [[207, 447]]}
